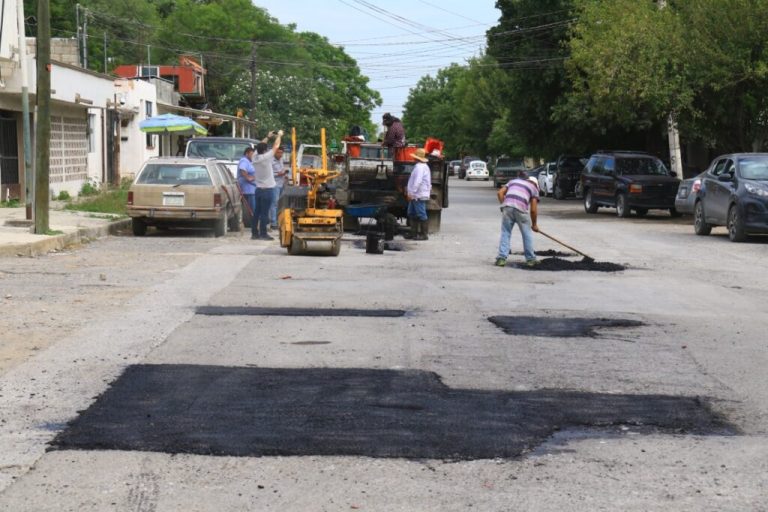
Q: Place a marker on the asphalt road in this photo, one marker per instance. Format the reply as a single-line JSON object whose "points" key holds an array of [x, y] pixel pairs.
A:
{"points": [[659, 404]]}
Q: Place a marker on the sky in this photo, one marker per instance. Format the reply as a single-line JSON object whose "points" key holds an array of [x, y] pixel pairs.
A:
{"points": [[375, 33]]}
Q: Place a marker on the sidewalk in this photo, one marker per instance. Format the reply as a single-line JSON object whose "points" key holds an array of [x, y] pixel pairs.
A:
{"points": [[16, 239]]}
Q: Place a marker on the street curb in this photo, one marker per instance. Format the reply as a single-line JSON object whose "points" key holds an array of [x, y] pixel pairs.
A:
{"points": [[60, 242]]}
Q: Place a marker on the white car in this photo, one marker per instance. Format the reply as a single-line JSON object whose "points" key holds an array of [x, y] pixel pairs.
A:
{"points": [[477, 170], [546, 178]]}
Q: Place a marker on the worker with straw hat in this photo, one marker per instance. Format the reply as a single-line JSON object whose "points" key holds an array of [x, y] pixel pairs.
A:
{"points": [[417, 193]]}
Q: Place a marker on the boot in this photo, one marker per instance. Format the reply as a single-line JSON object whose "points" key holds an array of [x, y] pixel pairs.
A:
{"points": [[411, 234], [425, 229], [421, 230]]}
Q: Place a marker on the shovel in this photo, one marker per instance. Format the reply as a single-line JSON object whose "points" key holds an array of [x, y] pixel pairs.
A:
{"points": [[587, 259]]}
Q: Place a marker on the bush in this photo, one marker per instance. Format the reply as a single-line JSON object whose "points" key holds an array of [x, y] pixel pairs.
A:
{"points": [[106, 201], [89, 189], [63, 196], [11, 203]]}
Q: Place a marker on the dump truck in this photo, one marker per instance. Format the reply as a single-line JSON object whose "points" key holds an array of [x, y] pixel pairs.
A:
{"points": [[372, 175]]}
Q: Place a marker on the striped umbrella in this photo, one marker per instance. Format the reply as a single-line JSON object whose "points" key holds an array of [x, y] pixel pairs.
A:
{"points": [[168, 123]]}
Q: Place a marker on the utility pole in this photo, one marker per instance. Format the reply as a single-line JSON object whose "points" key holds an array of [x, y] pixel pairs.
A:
{"points": [[28, 177], [79, 35], [675, 154], [85, 38], [43, 126], [105, 53], [253, 81]]}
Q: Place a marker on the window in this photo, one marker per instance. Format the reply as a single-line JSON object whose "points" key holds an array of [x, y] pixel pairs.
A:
{"points": [[90, 133], [159, 174], [148, 71], [150, 137], [609, 166], [718, 170]]}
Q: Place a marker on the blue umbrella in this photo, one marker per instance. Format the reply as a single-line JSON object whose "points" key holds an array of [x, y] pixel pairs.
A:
{"points": [[168, 123]]}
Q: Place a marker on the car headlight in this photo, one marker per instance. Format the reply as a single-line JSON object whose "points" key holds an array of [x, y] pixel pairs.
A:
{"points": [[755, 190]]}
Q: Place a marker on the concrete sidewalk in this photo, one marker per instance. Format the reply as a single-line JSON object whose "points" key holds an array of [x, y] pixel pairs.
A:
{"points": [[17, 239]]}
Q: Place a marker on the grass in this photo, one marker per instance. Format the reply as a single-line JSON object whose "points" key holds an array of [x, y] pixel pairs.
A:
{"points": [[109, 201], [13, 203]]}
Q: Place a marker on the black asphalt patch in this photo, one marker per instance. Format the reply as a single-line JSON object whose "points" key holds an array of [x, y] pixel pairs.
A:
{"points": [[388, 246], [234, 411], [559, 264], [263, 311], [558, 327]]}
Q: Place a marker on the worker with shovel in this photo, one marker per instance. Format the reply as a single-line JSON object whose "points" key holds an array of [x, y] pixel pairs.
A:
{"points": [[519, 205]]}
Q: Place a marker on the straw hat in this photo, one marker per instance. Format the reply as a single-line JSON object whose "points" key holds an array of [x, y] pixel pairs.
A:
{"points": [[420, 155]]}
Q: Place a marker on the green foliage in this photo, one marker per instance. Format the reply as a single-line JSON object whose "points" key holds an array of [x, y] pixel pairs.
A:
{"points": [[109, 201], [88, 189], [10, 203], [64, 196]]}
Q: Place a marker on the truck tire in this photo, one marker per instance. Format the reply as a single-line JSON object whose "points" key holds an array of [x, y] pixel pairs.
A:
{"points": [[590, 206], [700, 226], [433, 220], [622, 208]]}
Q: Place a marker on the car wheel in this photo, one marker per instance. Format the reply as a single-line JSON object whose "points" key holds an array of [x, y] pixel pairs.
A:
{"points": [[235, 221], [589, 202], [641, 212], [220, 226], [700, 226], [622, 209], [139, 227], [736, 230], [674, 213]]}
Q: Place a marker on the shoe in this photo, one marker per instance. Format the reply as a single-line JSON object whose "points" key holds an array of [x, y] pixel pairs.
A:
{"points": [[531, 263], [501, 262], [266, 237], [254, 237]]}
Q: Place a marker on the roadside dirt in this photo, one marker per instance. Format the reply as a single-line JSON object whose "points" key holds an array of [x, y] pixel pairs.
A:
{"points": [[45, 299]]}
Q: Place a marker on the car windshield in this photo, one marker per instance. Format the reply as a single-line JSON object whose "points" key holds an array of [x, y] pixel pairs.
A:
{"points": [[572, 162], [509, 162], [174, 174], [478, 165], [754, 168], [219, 150], [640, 167]]}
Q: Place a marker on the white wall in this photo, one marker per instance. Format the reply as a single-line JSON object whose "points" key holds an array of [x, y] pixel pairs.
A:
{"points": [[133, 96]]}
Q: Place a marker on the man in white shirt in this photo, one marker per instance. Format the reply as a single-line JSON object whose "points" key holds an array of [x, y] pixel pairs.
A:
{"points": [[265, 184], [417, 193]]}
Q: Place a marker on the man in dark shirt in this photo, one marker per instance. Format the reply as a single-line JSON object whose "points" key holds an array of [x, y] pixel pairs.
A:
{"points": [[395, 137]]}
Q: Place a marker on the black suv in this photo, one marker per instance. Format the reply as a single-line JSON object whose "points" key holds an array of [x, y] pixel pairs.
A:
{"points": [[567, 174], [628, 180]]}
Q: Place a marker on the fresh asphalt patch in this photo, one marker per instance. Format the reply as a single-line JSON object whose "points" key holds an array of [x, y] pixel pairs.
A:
{"points": [[558, 327], [267, 311], [559, 264], [236, 411]]}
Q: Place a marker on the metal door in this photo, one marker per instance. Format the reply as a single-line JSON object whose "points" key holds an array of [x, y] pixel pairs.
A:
{"points": [[9, 156]]}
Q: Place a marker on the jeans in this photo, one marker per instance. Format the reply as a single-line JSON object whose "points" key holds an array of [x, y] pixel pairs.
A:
{"points": [[273, 210], [417, 208], [509, 217], [261, 212]]}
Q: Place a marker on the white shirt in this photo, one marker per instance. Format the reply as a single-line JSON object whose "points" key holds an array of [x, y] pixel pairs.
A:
{"points": [[420, 182], [263, 170]]}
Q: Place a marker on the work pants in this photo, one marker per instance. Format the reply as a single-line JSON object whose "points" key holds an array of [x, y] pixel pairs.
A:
{"points": [[260, 222], [509, 217]]}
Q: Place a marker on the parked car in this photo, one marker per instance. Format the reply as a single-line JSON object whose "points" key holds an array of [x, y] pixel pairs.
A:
{"points": [[687, 193], [453, 167], [628, 181], [734, 193], [172, 191], [477, 170], [465, 164], [507, 168], [567, 174], [546, 178], [226, 150]]}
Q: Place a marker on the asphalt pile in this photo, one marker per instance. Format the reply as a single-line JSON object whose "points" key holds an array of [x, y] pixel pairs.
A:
{"points": [[560, 264]]}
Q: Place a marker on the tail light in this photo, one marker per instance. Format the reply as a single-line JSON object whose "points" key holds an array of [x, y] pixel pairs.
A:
{"points": [[217, 199], [635, 189], [130, 197], [696, 186]]}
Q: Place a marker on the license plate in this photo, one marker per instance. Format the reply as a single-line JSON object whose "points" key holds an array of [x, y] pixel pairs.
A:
{"points": [[173, 199]]}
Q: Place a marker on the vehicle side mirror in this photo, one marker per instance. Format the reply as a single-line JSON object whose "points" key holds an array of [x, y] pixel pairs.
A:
{"points": [[725, 177]]}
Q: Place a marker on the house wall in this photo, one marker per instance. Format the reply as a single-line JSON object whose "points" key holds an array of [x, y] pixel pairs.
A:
{"points": [[133, 97]]}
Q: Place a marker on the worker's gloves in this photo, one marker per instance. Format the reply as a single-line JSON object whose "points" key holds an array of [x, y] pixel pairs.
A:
{"points": [[280, 133]]}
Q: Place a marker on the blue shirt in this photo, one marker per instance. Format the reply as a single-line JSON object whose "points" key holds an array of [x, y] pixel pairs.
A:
{"points": [[245, 164]]}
